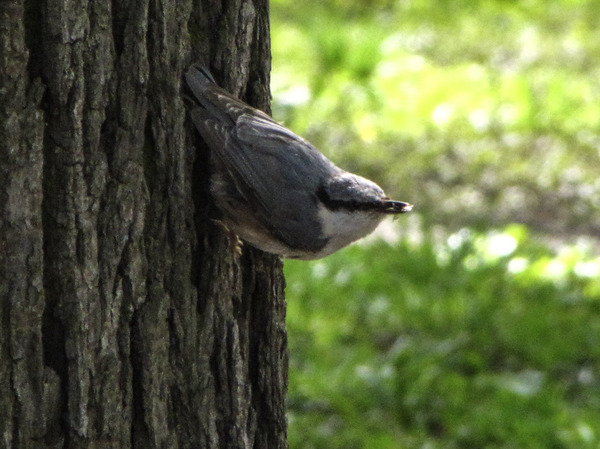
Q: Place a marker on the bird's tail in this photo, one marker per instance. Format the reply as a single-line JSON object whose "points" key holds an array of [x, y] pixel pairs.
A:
{"points": [[198, 78]]}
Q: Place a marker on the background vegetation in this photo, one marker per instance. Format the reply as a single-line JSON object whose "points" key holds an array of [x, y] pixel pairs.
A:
{"points": [[474, 322]]}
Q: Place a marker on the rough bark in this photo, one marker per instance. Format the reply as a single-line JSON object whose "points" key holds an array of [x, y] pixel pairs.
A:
{"points": [[128, 318]]}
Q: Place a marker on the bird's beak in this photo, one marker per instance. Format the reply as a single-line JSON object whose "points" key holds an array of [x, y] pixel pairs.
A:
{"points": [[396, 207]]}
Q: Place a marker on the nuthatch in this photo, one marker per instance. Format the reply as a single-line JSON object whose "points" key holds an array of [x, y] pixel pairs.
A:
{"points": [[275, 190]]}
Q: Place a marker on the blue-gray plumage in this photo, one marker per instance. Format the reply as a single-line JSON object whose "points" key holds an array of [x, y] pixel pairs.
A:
{"points": [[275, 190]]}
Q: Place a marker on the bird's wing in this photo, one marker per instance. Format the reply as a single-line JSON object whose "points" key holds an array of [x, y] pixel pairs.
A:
{"points": [[276, 171]]}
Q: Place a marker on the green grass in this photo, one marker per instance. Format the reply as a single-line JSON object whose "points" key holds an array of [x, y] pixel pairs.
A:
{"points": [[484, 340]]}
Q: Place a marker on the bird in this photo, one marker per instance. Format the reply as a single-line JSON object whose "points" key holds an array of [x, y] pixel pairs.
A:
{"points": [[274, 189]]}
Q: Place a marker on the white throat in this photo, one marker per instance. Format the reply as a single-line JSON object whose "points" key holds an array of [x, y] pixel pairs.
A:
{"points": [[343, 227]]}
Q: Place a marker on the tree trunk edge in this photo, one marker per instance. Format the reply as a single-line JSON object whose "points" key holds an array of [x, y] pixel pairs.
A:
{"points": [[127, 319]]}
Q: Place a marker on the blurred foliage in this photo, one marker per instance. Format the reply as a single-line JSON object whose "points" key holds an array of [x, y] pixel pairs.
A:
{"points": [[469, 331], [478, 112]]}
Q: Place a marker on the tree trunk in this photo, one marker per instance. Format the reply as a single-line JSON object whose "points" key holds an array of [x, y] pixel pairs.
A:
{"points": [[128, 318]]}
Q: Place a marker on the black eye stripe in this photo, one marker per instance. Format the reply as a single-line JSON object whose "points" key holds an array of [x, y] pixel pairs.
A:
{"points": [[350, 205]]}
